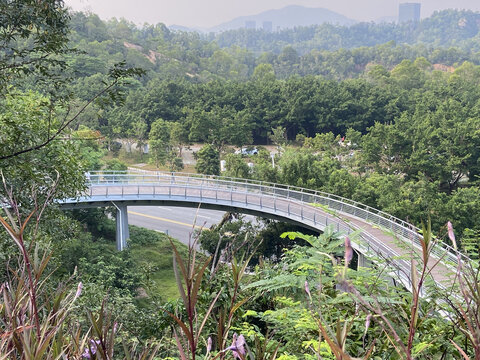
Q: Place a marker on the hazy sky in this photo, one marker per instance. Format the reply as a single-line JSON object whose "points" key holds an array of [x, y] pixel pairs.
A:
{"points": [[208, 13]]}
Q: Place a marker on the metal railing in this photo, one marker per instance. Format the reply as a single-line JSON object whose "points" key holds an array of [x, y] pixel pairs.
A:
{"points": [[279, 199], [333, 202]]}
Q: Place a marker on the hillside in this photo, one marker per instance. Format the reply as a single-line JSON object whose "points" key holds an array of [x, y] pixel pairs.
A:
{"points": [[443, 29]]}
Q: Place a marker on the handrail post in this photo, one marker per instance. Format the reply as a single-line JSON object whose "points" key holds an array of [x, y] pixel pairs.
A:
{"points": [[110, 180]]}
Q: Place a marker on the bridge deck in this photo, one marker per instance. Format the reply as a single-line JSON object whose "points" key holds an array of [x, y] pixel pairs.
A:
{"points": [[380, 234]]}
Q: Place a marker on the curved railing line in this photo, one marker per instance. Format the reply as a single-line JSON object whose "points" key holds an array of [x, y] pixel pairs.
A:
{"points": [[267, 183], [357, 204], [371, 215], [303, 212], [370, 242]]}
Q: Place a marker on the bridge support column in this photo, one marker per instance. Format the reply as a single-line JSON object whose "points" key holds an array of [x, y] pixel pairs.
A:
{"points": [[363, 261], [122, 226]]}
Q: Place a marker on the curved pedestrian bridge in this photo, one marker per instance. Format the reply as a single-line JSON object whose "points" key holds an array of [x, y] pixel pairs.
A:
{"points": [[380, 235]]}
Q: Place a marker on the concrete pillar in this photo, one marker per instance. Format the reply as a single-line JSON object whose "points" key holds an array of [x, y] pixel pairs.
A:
{"points": [[363, 261], [122, 227]]}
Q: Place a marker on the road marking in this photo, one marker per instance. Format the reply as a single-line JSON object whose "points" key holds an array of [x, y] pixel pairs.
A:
{"points": [[166, 220]]}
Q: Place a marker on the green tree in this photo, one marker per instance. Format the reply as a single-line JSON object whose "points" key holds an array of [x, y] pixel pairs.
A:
{"points": [[29, 176], [236, 166], [115, 165], [208, 160], [200, 124], [139, 133], [471, 243], [233, 237], [264, 168], [179, 137], [408, 75], [88, 143], [33, 51], [326, 143], [279, 137], [32, 36], [264, 73], [159, 142], [439, 145], [236, 129], [342, 183]]}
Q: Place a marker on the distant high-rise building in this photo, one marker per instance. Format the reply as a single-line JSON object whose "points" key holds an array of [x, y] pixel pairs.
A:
{"points": [[267, 26], [250, 24], [409, 12]]}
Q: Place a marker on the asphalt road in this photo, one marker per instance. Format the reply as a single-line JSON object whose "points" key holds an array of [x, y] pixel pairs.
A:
{"points": [[178, 222]]}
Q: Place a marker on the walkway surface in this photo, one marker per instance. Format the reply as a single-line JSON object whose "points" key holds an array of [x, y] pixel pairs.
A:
{"points": [[380, 234]]}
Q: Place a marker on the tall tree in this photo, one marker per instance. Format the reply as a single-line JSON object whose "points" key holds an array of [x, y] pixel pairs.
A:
{"points": [[33, 49], [208, 160], [32, 36], [159, 142]]}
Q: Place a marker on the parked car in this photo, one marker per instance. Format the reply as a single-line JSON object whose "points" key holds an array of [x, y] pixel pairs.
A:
{"points": [[247, 151]]}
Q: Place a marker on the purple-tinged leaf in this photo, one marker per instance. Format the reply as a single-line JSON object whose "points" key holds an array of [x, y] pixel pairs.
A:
{"points": [[348, 250], [451, 235]]}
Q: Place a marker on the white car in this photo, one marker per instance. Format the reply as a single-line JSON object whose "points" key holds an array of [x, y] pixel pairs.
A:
{"points": [[247, 151]]}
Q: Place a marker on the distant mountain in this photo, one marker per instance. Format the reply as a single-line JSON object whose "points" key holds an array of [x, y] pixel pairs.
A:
{"points": [[287, 17], [186, 29]]}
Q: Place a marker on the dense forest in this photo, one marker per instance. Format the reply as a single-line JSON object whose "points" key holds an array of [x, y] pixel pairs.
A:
{"points": [[387, 115], [447, 38]]}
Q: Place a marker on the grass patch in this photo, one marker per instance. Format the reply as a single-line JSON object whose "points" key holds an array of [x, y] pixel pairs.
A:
{"points": [[152, 253], [146, 264]]}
